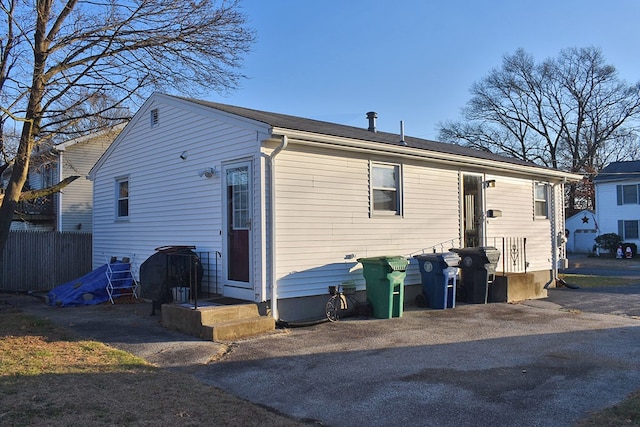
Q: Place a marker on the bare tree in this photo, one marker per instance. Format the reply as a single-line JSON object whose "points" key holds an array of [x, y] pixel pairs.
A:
{"points": [[571, 112], [59, 56]]}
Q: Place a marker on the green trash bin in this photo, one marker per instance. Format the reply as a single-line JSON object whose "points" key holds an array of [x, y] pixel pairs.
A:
{"points": [[385, 284]]}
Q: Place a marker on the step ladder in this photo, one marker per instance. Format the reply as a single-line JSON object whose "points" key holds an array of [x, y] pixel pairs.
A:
{"points": [[121, 278]]}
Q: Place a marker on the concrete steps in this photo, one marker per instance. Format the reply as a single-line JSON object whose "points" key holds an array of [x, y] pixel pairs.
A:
{"points": [[217, 322]]}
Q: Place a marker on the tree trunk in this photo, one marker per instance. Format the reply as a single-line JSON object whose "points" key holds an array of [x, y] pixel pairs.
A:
{"points": [[14, 187], [30, 124]]}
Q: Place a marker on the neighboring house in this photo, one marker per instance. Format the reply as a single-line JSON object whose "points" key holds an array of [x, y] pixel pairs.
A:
{"points": [[581, 231], [617, 189], [71, 208], [190, 172]]}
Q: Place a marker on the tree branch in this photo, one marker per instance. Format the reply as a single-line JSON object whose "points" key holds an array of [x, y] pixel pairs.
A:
{"points": [[34, 194]]}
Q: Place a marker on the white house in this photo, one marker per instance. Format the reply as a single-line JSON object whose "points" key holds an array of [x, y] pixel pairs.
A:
{"points": [[581, 231], [617, 189], [191, 172], [69, 210]]}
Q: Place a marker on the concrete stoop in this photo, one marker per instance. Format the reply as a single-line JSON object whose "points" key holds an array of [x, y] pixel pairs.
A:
{"points": [[514, 287], [217, 322]]}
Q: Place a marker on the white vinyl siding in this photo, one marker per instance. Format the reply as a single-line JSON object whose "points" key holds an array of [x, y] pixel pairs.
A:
{"points": [[76, 199], [616, 203], [323, 221], [171, 202], [512, 196]]}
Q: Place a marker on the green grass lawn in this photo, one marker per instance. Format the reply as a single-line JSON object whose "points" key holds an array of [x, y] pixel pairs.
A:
{"points": [[50, 378], [589, 281]]}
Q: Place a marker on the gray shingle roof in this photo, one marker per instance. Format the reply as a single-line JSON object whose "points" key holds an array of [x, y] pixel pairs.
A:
{"points": [[334, 129], [618, 171]]}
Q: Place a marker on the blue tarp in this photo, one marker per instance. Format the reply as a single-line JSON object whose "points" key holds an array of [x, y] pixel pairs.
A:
{"points": [[91, 288]]}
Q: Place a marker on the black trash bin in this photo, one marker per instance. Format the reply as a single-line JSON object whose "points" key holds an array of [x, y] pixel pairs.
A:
{"points": [[438, 272], [478, 268]]}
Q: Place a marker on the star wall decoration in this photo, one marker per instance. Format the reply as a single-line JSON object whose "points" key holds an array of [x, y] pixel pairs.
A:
{"points": [[585, 220]]}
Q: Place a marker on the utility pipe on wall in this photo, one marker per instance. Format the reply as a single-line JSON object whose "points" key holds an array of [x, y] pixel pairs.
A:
{"points": [[272, 228], [557, 237]]}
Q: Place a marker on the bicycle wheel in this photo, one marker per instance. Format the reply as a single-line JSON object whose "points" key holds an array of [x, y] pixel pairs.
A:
{"points": [[333, 308]]}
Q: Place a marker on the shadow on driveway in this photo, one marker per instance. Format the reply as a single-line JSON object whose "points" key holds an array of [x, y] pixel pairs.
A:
{"points": [[537, 363], [495, 364]]}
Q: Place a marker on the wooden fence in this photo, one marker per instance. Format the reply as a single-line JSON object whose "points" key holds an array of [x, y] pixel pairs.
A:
{"points": [[40, 261]]}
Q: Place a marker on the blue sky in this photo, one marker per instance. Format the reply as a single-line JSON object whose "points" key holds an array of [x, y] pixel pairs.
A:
{"points": [[412, 60]]}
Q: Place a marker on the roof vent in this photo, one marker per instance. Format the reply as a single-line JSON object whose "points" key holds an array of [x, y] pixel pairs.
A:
{"points": [[154, 118], [372, 116]]}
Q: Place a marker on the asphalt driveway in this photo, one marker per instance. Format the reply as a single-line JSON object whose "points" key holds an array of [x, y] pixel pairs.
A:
{"points": [[538, 363], [533, 364]]}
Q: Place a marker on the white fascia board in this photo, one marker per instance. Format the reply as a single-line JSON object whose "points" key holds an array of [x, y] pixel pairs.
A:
{"points": [[328, 141]]}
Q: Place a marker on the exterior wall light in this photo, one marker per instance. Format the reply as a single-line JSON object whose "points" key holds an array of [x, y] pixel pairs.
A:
{"points": [[208, 172]]}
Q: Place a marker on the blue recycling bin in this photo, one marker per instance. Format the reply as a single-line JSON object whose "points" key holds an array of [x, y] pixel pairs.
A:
{"points": [[438, 272]]}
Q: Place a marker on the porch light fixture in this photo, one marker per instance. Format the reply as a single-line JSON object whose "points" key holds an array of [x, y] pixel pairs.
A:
{"points": [[490, 183], [208, 172]]}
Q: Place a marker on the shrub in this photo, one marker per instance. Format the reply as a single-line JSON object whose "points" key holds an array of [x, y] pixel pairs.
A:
{"points": [[609, 242]]}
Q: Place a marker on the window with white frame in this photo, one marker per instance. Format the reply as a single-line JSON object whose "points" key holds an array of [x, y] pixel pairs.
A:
{"points": [[386, 187], [628, 229], [628, 194], [541, 200], [122, 198]]}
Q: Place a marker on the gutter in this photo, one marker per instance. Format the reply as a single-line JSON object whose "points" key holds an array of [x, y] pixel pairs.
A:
{"points": [[342, 143], [272, 231]]}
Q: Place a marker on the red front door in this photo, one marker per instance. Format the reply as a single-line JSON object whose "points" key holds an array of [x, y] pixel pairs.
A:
{"points": [[238, 198]]}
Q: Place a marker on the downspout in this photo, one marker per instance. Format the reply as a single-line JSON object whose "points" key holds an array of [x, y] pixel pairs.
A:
{"points": [[272, 228], [557, 239], [554, 233], [58, 196], [483, 192]]}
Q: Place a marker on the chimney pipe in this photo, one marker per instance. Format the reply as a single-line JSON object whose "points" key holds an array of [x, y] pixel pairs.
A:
{"points": [[372, 116]]}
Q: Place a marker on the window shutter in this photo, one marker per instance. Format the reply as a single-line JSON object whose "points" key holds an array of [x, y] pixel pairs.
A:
{"points": [[621, 228], [638, 189], [619, 191]]}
